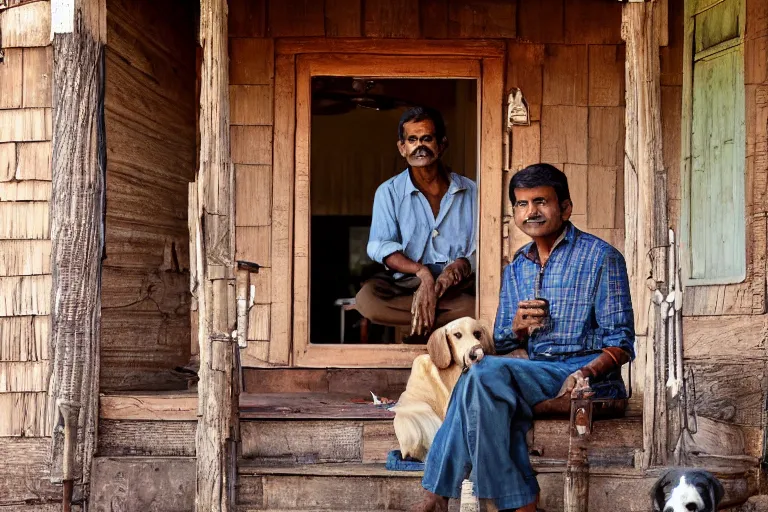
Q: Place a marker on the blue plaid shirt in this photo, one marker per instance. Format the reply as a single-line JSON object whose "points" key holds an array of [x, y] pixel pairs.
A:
{"points": [[585, 281]]}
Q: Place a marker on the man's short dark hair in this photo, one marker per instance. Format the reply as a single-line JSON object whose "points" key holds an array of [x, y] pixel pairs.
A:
{"points": [[416, 114], [541, 175]]}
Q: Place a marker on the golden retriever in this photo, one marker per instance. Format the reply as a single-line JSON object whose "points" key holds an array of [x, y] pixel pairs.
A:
{"points": [[421, 408]]}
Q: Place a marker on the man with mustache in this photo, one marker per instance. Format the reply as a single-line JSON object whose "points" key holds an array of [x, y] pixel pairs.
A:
{"points": [[423, 231], [564, 320]]}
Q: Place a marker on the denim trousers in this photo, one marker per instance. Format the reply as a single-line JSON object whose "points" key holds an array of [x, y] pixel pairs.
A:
{"points": [[483, 435]]}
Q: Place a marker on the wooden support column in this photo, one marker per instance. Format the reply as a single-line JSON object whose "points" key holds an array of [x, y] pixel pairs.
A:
{"points": [[213, 227], [77, 237], [646, 211]]}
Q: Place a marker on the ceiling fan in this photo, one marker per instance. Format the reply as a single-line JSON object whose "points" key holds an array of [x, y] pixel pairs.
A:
{"points": [[334, 95]]}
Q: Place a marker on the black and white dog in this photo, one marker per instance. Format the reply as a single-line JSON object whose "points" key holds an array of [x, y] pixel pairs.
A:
{"points": [[686, 490]]}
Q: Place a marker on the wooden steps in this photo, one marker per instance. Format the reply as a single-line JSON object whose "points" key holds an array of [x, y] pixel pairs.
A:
{"points": [[323, 427]]}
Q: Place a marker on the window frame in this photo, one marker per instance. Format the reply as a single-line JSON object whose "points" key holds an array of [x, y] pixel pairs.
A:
{"points": [[482, 61]]}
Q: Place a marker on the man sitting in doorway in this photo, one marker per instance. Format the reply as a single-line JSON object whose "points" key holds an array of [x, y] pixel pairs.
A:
{"points": [[564, 316], [423, 231]]}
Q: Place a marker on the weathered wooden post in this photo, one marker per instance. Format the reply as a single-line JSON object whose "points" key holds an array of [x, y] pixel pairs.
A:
{"points": [[576, 494], [213, 231], [645, 216], [77, 237]]}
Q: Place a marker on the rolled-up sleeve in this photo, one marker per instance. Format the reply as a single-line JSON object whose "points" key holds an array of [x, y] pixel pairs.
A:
{"points": [[385, 236], [613, 304], [503, 335]]}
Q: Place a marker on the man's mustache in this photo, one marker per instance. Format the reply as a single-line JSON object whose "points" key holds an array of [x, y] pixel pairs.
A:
{"points": [[535, 219], [422, 151]]}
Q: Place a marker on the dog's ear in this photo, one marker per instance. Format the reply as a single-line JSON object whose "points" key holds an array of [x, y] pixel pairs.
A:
{"points": [[717, 490], [486, 341], [659, 491], [438, 348]]}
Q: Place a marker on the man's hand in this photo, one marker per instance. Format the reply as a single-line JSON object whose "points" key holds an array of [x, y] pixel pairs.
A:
{"points": [[530, 316], [424, 303], [576, 380], [452, 275]]}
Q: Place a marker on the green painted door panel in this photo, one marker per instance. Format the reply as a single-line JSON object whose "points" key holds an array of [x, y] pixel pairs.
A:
{"points": [[717, 188]]}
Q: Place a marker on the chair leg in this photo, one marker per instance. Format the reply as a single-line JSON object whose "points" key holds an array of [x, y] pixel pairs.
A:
{"points": [[364, 323], [577, 467]]}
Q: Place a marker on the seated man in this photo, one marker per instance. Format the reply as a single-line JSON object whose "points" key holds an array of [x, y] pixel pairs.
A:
{"points": [[564, 316], [423, 230]]}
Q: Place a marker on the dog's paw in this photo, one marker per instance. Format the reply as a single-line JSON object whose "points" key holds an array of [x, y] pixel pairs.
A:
{"points": [[473, 355]]}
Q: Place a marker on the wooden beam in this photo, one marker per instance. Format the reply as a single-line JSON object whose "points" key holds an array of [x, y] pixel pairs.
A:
{"points": [[77, 235], [645, 213], [217, 430], [426, 47]]}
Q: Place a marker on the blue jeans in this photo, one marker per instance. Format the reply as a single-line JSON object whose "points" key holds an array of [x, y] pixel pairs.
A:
{"points": [[483, 435]]}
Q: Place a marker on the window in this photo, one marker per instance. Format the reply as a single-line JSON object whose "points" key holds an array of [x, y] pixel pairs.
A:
{"points": [[714, 178]]}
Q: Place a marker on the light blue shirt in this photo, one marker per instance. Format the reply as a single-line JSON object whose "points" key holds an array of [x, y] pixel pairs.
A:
{"points": [[403, 221]]}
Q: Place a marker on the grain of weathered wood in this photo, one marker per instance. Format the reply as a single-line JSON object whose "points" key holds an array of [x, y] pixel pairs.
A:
{"points": [[482, 19], [253, 190], [11, 75], [526, 146], [24, 338], [452, 47], [391, 19], [25, 475], [252, 145], [490, 263], [606, 75], [25, 191], [251, 61], [302, 442], [606, 136], [258, 322], [25, 295], [250, 104], [143, 483], [378, 440], [525, 70], [434, 18], [306, 406], [24, 376], [252, 244], [343, 18], [671, 104], [17, 125], [643, 160], [169, 406], [260, 291], [25, 415], [247, 18], [743, 337], [565, 75], [34, 161], [592, 22], [578, 179], [542, 21], [384, 382], [147, 438], [24, 221], [298, 18], [282, 210], [26, 25], [7, 161], [729, 392], [38, 76], [564, 134]]}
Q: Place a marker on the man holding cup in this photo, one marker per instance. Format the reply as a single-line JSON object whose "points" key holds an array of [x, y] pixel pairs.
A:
{"points": [[565, 319]]}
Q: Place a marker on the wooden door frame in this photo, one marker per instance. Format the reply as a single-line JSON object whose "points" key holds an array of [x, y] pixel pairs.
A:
{"points": [[297, 60]]}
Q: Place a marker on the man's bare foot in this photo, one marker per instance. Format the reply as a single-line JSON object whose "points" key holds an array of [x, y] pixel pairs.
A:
{"points": [[431, 502]]}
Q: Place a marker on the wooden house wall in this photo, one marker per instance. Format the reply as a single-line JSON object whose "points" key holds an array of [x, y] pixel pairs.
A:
{"points": [[150, 121], [25, 251], [725, 327], [566, 56]]}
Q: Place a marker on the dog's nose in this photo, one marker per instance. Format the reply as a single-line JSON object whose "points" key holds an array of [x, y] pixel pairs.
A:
{"points": [[472, 355], [692, 507]]}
